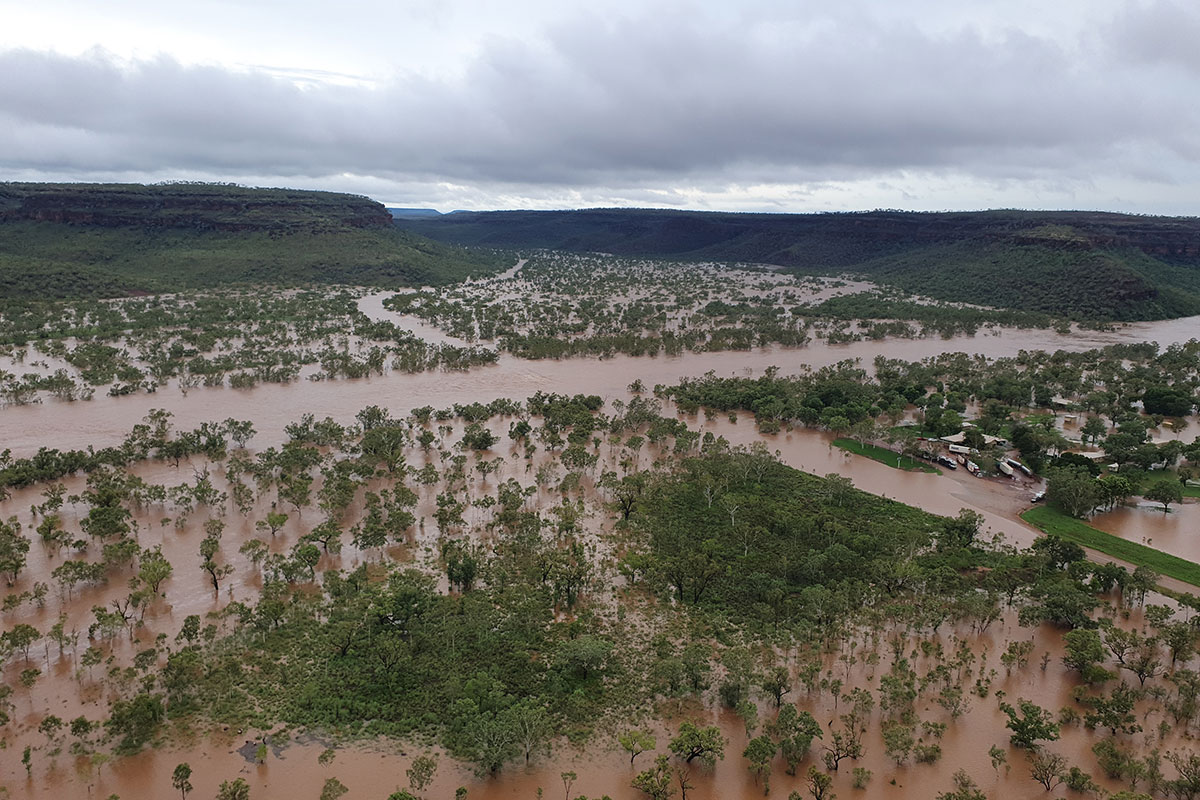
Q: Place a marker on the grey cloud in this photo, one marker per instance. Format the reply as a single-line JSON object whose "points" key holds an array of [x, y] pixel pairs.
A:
{"points": [[637, 102]]}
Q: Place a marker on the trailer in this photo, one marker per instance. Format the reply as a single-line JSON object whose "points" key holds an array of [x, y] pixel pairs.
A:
{"points": [[1012, 462]]}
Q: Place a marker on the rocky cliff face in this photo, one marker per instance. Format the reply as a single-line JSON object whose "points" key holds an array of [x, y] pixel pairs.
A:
{"points": [[189, 206]]}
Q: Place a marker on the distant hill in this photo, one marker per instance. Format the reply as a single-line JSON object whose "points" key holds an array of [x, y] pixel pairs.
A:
{"points": [[1081, 264], [398, 213], [73, 240]]}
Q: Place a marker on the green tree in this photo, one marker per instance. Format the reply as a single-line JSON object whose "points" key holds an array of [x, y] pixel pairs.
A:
{"points": [[820, 784], [181, 779], [777, 683], [965, 788], [1074, 491], [135, 721], [636, 741], [1046, 768], [153, 568], [759, 752], [794, 730], [898, 741], [421, 773], [13, 549], [1083, 650], [333, 789], [656, 781], [706, 744], [1029, 723], [1166, 491], [237, 790]]}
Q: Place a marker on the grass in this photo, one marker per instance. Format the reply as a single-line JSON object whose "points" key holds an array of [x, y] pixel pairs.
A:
{"points": [[885, 456], [1052, 521]]}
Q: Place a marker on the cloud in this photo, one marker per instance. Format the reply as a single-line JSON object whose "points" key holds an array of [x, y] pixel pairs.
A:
{"points": [[630, 105]]}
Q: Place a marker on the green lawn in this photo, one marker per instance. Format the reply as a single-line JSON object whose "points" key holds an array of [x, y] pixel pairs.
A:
{"points": [[885, 456], [1050, 520]]}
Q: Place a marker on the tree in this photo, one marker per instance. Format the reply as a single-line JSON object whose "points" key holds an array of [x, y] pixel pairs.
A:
{"points": [[22, 637], [421, 773], [384, 444], [898, 741], [777, 683], [1083, 650], [1074, 491], [656, 781], [135, 721], [819, 784], [1093, 428], [706, 744], [795, 731], [531, 726], [965, 788], [636, 741], [1046, 768], [274, 521], [237, 790], [1166, 491], [1030, 725], [154, 568], [1114, 712], [216, 572], [759, 753], [1187, 785], [181, 779], [13, 549], [333, 789]]}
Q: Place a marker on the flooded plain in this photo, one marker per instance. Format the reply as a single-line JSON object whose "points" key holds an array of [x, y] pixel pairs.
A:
{"points": [[376, 768]]}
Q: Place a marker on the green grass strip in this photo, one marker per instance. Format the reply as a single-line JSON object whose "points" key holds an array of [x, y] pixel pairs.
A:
{"points": [[1050, 520], [885, 456]]}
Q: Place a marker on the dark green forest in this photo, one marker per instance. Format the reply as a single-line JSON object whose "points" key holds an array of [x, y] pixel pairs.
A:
{"points": [[1083, 265]]}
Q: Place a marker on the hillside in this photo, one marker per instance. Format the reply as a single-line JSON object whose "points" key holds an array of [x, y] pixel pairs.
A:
{"points": [[73, 240], [1081, 264]]}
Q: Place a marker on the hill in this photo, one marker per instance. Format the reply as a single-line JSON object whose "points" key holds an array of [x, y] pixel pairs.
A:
{"points": [[104, 240], [1081, 264]]}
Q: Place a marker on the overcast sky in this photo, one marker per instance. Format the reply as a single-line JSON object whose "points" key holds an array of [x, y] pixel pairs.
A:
{"points": [[796, 105]]}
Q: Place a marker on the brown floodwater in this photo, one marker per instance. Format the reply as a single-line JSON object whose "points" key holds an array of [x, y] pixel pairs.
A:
{"points": [[1176, 531], [105, 420], [372, 770]]}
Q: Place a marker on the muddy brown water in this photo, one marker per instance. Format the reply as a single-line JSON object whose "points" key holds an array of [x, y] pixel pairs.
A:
{"points": [[1176, 532], [105, 420], [376, 769]]}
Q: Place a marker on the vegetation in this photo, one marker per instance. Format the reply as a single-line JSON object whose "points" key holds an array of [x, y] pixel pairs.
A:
{"points": [[884, 456], [1078, 264], [1054, 522], [109, 240]]}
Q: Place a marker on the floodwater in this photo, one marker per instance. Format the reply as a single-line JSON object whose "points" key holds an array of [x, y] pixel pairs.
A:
{"points": [[374, 769], [105, 420], [1176, 531]]}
